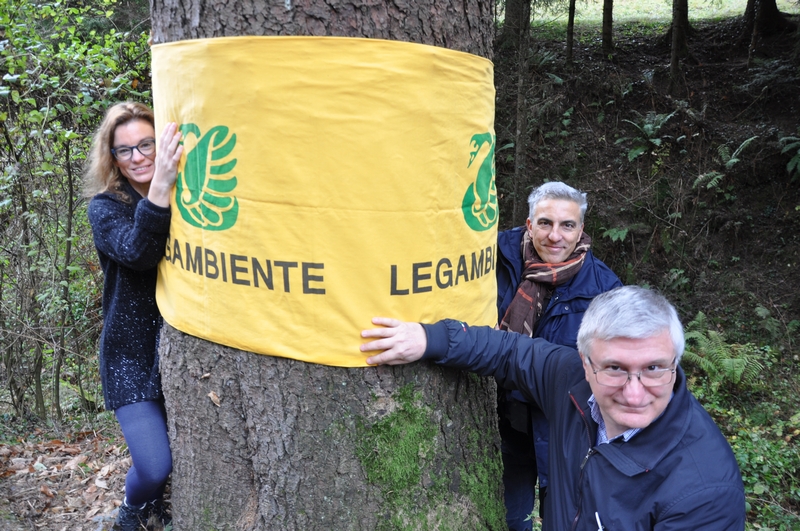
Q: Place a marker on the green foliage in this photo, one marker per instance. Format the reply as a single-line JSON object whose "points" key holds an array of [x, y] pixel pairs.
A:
{"points": [[712, 180], [61, 65], [731, 159], [648, 129], [791, 145], [615, 234], [768, 454], [723, 362], [675, 281], [761, 423], [777, 329]]}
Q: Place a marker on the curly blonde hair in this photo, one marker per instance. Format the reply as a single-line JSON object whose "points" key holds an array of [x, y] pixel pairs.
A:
{"points": [[102, 174]]}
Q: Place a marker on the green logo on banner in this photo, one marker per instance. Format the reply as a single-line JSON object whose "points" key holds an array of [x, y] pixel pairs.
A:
{"points": [[204, 187], [480, 200]]}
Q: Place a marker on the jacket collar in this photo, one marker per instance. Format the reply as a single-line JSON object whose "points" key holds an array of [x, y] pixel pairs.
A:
{"points": [[586, 284]]}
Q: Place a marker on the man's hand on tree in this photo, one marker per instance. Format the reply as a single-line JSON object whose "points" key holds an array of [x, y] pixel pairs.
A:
{"points": [[400, 342]]}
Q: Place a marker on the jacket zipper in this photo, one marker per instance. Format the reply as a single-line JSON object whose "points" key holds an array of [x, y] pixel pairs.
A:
{"points": [[590, 452]]}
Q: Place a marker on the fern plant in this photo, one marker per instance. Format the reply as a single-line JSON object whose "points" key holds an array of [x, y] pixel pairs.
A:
{"points": [[648, 129], [791, 144], [731, 159], [712, 179], [723, 362], [616, 234], [778, 329]]}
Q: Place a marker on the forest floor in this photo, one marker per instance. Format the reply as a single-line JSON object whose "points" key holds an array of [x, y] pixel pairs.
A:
{"points": [[63, 481], [73, 482], [724, 250]]}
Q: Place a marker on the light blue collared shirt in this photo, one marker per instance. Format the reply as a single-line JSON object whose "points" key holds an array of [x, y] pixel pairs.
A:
{"points": [[602, 434]]}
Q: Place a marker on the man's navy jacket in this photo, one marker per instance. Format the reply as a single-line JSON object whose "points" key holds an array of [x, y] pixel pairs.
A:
{"points": [[677, 474], [559, 322]]}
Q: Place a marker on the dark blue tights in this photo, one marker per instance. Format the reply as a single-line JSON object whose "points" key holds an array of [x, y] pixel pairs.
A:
{"points": [[144, 425]]}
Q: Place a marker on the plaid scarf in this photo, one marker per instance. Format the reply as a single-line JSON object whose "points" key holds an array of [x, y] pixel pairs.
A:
{"points": [[538, 281]]}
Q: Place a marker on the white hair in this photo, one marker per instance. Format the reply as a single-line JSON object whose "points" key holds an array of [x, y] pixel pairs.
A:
{"points": [[556, 190], [629, 312]]}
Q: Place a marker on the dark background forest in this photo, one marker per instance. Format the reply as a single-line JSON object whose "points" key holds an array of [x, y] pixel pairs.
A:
{"points": [[688, 146]]}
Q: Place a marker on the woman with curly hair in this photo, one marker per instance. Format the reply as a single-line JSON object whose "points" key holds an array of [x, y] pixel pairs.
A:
{"points": [[130, 182]]}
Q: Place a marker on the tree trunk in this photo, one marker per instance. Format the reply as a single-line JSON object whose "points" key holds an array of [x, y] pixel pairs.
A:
{"points": [[521, 130], [262, 442], [465, 26], [570, 30], [770, 19], [680, 22], [758, 17], [608, 26], [516, 17]]}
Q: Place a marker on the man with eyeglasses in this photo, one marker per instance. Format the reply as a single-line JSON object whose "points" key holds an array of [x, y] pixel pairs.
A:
{"points": [[631, 448]]}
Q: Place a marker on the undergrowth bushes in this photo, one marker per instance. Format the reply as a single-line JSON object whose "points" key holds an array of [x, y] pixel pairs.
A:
{"points": [[61, 64]]}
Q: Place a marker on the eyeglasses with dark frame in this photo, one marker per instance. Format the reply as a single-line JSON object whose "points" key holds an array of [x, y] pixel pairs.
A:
{"points": [[611, 377], [146, 147]]}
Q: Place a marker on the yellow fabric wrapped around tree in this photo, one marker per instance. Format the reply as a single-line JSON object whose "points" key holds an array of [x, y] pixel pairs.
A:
{"points": [[325, 181]]}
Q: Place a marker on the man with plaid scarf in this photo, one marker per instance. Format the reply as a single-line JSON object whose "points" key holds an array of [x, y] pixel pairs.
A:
{"points": [[546, 278]]}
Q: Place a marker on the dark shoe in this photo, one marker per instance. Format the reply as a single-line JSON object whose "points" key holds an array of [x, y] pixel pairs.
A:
{"points": [[131, 518], [161, 511]]}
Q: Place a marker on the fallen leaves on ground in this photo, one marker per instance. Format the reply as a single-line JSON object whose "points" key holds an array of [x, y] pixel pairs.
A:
{"points": [[74, 484]]}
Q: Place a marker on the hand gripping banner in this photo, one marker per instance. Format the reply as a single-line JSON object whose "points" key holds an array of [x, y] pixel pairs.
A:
{"points": [[325, 181]]}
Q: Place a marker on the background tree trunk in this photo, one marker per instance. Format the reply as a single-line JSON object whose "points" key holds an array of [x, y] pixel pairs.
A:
{"points": [[679, 47], [770, 19], [516, 17], [272, 443], [608, 27], [523, 109], [570, 31]]}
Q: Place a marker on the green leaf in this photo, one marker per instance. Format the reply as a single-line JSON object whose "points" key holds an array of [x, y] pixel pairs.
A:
{"points": [[635, 152]]}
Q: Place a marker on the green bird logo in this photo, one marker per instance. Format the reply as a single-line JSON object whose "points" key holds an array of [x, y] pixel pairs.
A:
{"points": [[480, 200], [204, 187]]}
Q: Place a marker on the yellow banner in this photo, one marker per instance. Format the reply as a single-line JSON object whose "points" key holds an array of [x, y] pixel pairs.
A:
{"points": [[326, 181]]}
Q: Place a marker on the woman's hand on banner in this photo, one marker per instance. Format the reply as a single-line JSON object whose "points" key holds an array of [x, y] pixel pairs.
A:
{"points": [[168, 155], [400, 342]]}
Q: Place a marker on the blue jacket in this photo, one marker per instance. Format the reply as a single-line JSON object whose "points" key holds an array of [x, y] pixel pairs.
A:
{"points": [[560, 321], [677, 474], [130, 238]]}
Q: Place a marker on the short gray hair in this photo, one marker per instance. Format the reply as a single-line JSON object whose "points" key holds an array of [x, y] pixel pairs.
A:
{"points": [[629, 312], [556, 190]]}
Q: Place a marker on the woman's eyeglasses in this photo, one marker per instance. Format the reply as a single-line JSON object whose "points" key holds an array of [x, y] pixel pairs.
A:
{"points": [[146, 147]]}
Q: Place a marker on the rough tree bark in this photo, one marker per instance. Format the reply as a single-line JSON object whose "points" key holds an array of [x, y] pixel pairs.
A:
{"points": [[608, 27], [297, 446], [679, 48], [516, 17], [770, 19], [523, 109], [570, 31]]}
